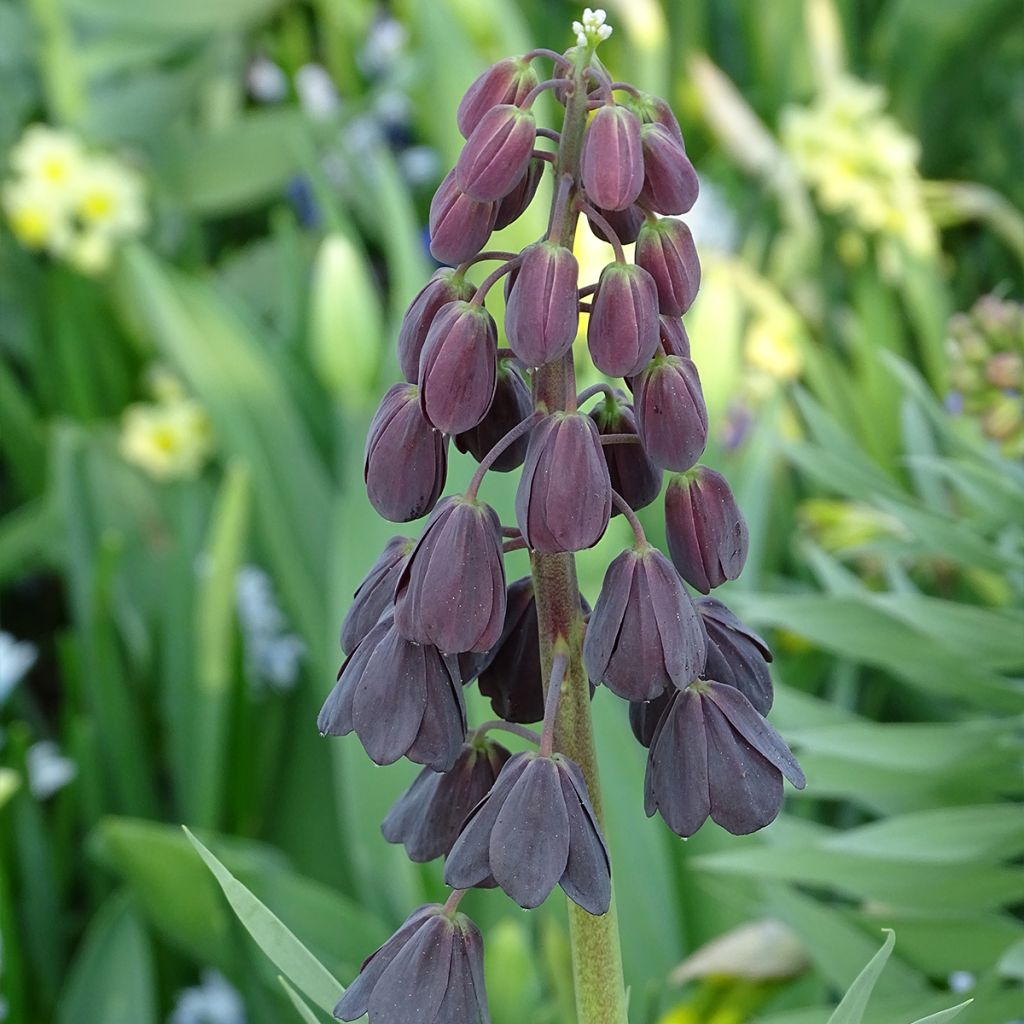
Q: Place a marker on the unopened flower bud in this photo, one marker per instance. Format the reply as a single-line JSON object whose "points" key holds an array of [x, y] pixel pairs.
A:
{"points": [[632, 473], [459, 224], [737, 656], [451, 592], [406, 460], [670, 182], [536, 829], [376, 594], [654, 110], [458, 367], [645, 716], [1005, 370], [514, 205], [625, 223], [665, 249], [645, 633], [564, 498], [509, 81], [706, 532], [622, 333], [542, 315], [497, 153], [612, 163], [674, 339], [511, 404], [671, 417], [428, 816], [444, 287]]}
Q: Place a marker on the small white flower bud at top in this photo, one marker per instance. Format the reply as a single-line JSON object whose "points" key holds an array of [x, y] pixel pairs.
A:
{"points": [[592, 29]]}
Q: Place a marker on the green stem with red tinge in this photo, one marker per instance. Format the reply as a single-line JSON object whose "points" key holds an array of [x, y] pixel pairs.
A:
{"points": [[596, 953]]}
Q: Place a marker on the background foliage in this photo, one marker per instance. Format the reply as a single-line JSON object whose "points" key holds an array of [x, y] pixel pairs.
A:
{"points": [[183, 626]]}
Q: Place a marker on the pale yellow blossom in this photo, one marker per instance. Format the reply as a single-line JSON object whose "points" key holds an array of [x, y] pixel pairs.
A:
{"points": [[168, 440]]}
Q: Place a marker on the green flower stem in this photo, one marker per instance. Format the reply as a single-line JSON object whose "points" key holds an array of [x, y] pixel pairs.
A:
{"points": [[596, 954]]}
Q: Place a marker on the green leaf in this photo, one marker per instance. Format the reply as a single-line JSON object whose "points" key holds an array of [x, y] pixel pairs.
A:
{"points": [[185, 16], [944, 1015], [111, 979], [298, 1002], [855, 1002], [282, 947]]}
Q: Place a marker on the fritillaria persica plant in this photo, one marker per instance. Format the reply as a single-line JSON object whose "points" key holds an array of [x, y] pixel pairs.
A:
{"points": [[437, 613]]}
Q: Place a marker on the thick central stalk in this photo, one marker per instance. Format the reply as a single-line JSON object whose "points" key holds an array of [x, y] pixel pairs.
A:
{"points": [[596, 955]]}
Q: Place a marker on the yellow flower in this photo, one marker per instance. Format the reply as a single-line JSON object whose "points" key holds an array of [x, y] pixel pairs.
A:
{"points": [[108, 197], [770, 347], [169, 440], [89, 252], [47, 156], [37, 220]]}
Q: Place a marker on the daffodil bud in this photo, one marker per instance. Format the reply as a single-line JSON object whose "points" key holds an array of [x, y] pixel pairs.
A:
{"points": [[459, 225], [542, 315], [670, 182], [632, 473], [497, 153], [406, 460], [444, 287], [671, 417], [458, 367], [665, 249], [706, 532], [622, 333], [625, 223], [512, 403], [514, 205], [509, 81], [612, 163]]}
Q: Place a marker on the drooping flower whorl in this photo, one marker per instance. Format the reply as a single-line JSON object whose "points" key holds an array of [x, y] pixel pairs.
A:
{"points": [[736, 654], [671, 417], [376, 594]]}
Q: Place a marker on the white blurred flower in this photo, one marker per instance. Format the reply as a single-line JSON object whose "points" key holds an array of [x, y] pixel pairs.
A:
{"points": [[318, 95], [419, 165], [385, 44], [214, 1001], [712, 220], [38, 219], [169, 440], [272, 655], [266, 81], [393, 107], [16, 658], [48, 769], [961, 981], [108, 198], [254, 598], [48, 156]]}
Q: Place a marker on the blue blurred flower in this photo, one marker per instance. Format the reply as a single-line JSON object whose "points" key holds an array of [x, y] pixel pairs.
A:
{"points": [[214, 1001]]}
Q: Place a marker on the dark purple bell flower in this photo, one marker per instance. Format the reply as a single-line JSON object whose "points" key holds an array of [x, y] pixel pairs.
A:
{"points": [[376, 594], [644, 634], [674, 339], [632, 473], [514, 205], [714, 754], [706, 533], [671, 417], [564, 498], [644, 716], [400, 699], [622, 333], [543, 315], [430, 970], [406, 460], [665, 249], [509, 81], [737, 656], [497, 153], [459, 224], [458, 367], [511, 404], [427, 817], [612, 163], [536, 829], [670, 182], [445, 286], [451, 592], [625, 223]]}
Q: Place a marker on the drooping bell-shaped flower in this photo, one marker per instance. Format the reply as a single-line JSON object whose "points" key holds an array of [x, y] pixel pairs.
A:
{"points": [[536, 829], [431, 969], [737, 656], [376, 594], [612, 163], [445, 286], [671, 417], [458, 367], [427, 817], [514, 205], [632, 474], [509, 81], [459, 224], [644, 634], [497, 153], [712, 753], [542, 314], [670, 182], [625, 223], [706, 533], [644, 716], [451, 592], [563, 502], [622, 333], [406, 460], [512, 403], [665, 249]]}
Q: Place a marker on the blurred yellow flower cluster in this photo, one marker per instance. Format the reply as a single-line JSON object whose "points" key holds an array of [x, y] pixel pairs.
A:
{"points": [[861, 164], [69, 202], [169, 438]]}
